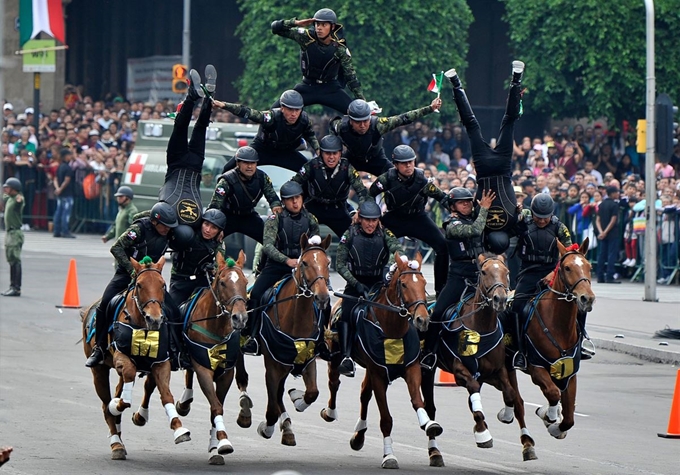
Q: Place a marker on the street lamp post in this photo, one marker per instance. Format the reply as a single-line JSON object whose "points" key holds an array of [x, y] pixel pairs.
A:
{"points": [[650, 182]]}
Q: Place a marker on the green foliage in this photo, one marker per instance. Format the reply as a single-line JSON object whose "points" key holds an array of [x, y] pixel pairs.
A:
{"points": [[587, 58], [396, 45]]}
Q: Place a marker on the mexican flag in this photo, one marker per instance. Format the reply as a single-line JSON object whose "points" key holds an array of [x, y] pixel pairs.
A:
{"points": [[41, 15], [436, 83]]}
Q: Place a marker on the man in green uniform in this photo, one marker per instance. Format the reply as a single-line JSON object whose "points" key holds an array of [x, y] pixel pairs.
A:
{"points": [[281, 245], [13, 202], [364, 250], [361, 132], [126, 211]]}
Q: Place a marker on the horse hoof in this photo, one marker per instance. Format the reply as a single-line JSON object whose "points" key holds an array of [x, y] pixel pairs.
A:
{"points": [[556, 432], [436, 459], [183, 410], [483, 439], [244, 421], [505, 416], [542, 412], [529, 453], [262, 430], [433, 429], [245, 415], [288, 438], [216, 459], [326, 416], [182, 435], [390, 461], [138, 420], [357, 441], [224, 447]]}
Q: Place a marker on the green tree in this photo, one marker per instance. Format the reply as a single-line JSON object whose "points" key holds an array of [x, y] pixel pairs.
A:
{"points": [[396, 45], [587, 58]]}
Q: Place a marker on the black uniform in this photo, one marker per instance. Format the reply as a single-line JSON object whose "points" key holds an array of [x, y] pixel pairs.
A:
{"points": [[326, 191], [406, 199], [188, 267], [185, 161], [237, 197]]}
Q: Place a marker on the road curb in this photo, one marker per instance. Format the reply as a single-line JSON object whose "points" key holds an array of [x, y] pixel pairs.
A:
{"points": [[641, 352]]}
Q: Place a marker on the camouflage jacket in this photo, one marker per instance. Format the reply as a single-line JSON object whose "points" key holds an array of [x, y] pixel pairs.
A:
{"points": [[343, 254]]}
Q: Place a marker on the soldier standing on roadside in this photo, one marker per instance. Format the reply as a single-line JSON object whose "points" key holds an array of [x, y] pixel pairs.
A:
{"points": [[126, 212], [13, 205]]}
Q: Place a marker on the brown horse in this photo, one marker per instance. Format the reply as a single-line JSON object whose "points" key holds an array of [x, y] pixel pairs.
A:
{"points": [[472, 348], [289, 333], [140, 343], [388, 347], [554, 346], [215, 313]]}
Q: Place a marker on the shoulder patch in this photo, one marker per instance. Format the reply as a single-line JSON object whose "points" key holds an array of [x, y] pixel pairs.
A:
{"points": [[220, 191], [267, 116], [383, 120], [456, 222], [348, 53], [272, 216], [431, 187], [267, 179], [566, 232], [343, 239], [378, 184], [355, 173], [389, 233], [302, 171], [132, 235], [430, 180]]}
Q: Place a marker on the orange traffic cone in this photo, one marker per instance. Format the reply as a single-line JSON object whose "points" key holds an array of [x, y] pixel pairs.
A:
{"points": [[674, 420], [71, 297], [444, 378]]}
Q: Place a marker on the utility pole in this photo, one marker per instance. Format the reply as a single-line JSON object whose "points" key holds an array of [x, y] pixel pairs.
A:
{"points": [[650, 155], [186, 33]]}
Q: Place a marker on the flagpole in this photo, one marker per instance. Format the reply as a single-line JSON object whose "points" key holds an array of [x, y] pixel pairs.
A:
{"points": [[439, 92]]}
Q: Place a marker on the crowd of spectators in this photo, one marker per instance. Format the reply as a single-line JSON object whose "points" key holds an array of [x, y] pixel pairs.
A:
{"points": [[576, 165]]}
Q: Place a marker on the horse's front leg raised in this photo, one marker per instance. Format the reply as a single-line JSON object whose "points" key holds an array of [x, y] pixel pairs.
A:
{"points": [[126, 369], [359, 437], [219, 442], [245, 415], [427, 387], [568, 408], [161, 373], [550, 414], [141, 417], [183, 406], [330, 413], [303, 399]]}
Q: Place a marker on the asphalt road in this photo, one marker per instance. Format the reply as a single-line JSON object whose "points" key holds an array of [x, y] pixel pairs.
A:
{"points": [[51, 415]]}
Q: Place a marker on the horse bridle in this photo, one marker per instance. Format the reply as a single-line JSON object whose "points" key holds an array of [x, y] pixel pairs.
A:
{"points": [[304, 285], [222, 307], [568, 295], [485, 291], [135, 296], [403, 309]]}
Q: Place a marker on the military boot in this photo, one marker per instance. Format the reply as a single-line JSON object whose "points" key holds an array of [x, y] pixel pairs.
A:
{"points": [[210, 74], [519, 360], [517, 71], [453, 77], [251, 346], [347, 366], [195, 91]]}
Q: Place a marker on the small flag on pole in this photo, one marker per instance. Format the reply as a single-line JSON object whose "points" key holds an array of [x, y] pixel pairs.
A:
{"points": [[41, 15], [436, 83]]}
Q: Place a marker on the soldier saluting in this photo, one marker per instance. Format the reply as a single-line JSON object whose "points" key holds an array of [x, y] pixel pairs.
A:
{"points": [[362, 133], [281, 131], [326, 181]]}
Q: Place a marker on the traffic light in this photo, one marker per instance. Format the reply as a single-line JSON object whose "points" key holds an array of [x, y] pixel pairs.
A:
{"points": [[641, 136], [179, 79], [665, 127]]}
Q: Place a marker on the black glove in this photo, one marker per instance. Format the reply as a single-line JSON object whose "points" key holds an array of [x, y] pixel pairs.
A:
{"points": [[208, 267], [362, 289]]}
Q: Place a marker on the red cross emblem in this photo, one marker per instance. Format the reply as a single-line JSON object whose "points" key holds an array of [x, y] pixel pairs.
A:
{"points": [[135, 168]]}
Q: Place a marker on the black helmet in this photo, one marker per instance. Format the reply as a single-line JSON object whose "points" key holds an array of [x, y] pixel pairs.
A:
{"points": [[164, 214], [331, 143], [359, 110], [290, 189], [326, 14], [460, 194], [403, 153], [125, 191], [292, 99], [497, 242], [370, 210], [181, 237], [13, 183], [246, 154], [216, 217], [542, 205]]}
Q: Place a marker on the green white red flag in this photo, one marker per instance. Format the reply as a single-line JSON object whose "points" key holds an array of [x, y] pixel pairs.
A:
{"points": [[436, 83], [37, 16]]}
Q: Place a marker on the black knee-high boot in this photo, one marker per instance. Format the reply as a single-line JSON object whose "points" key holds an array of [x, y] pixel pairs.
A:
{"points": [[321, 346], [17, 276], [519, 360], [251, 346], [431, 345], [345, 335]]}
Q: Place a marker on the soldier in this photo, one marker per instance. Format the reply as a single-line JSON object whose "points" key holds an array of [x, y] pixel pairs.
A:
{"points": [[464, 231], [326, 181], [281, 131], [538, 229], [13, 206], [189, 265], [185, 157], [238, 191], [364, 250], [281, 245], [362, 133], [126, 211], [324, 58], [146, 237], [406, 191], [493, 166]]}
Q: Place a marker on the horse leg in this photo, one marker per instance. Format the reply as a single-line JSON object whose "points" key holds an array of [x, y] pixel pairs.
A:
{"points": [[550, 414], [528, 450], [183, 406], [161, 373], [102, 386], [141, 417], [330, 413], [126, 369], [427, 387], [380, 389], [219, 443], [359, 437], [272, 376], [245, 415], [303, 399], [568, 406], [285, 423]]}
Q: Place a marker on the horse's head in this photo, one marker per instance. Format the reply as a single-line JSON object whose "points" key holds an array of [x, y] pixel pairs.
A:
{"points": [[409, 284], [148, 293], [494, 279], [312, 272], [230, 288], [574, 275]]}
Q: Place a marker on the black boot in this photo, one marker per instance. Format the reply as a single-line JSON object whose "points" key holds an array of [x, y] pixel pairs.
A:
{"points": [[519, 361], [195, 91], [210, 74], [17, 277], [453, 77], [321, 346], [251, 347], [429, 359], [14, 289], [517, 72], [347, 367], [467, 117], [101, 335]]}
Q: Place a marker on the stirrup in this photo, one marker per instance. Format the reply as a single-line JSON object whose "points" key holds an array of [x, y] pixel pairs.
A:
{"points": [[251, 347], [519, 361], [344, 370], [587, 347], [429, 361]]}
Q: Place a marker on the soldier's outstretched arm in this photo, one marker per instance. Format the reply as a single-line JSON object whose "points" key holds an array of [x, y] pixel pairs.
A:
{"points": [[350, 74], [385, 124], [341, 258], [310, 138], [357, 185], [433, 191], [393, 245], [564, 235], [128, 239], [271, 230], [270, 194], [244, 112], [294, 29], [222, 191]]}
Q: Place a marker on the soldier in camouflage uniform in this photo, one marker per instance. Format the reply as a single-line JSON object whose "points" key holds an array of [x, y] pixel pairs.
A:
{"points": [[326, 181], [281, 131], [362, 133], [364, 250], [126, 212], [281, 245], [13, 205], [239, 190], [464, 230], [406, 191], [324, 57], [146, 237]]}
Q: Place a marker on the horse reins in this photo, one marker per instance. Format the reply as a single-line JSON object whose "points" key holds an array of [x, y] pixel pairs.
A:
{"points": [[568, 295], [220, 306], [403, 308]]}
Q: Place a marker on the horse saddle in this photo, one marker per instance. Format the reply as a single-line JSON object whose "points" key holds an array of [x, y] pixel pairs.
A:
{"points": [[453, 312]]}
